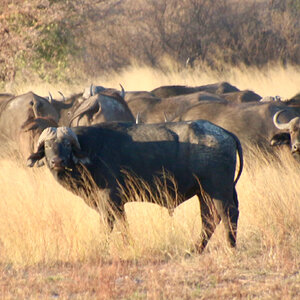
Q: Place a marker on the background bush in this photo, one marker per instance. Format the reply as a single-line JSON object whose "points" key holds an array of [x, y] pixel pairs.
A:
{"points": [[63, 40]]}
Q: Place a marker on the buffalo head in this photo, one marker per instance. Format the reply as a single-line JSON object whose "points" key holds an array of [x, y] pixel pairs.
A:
{"points": [[61, 149], [290, 134]]}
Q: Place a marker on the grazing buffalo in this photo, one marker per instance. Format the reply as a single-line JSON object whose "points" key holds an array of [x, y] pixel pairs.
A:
{"points": [[290, 134], [30, 133], [17, 111], [97, 89], [166, 91], [133, 95], [241, 96], [176, 90], [155, 110], [102, 107], [251, 122], [199, 156]]}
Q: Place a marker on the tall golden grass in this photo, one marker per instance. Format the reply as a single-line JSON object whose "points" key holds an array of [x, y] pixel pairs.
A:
{"points": [[270, 81], [43, 223]]}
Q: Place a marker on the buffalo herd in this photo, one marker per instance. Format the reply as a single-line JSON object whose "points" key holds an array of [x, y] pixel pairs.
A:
{"points": [[188, 138]]}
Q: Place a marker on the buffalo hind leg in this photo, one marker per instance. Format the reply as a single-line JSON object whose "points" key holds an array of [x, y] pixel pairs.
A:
{"points": [[229, 214], [210, 220]]}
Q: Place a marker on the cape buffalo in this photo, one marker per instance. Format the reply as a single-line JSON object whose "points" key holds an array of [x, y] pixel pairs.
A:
{"points": [[195, 153], [102, 107], [252, 122], [241, 96], [96, 89], [290, 134], [176, 90], [17, 111], [155, 110]]}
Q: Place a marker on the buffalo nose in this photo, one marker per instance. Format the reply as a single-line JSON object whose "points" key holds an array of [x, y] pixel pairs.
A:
{"points": [[57, 162], [296, 147]]}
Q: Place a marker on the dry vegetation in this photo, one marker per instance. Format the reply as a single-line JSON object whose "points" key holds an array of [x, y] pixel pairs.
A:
{"points": [[61, 40], [53, 246]]}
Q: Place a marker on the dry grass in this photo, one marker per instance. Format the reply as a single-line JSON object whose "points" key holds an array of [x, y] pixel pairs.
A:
{"points": [[53, 246], [270, 81]]}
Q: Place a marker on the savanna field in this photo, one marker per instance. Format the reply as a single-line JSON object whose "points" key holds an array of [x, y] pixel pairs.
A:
{"points": [[53, 246]]}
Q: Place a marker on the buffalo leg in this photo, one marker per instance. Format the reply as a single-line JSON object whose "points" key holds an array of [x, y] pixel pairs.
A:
{"points": [[229, 214], [210, 220]]}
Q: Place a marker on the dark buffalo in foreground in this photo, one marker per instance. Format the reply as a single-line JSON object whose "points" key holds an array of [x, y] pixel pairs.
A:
{"points": [[290, 134], [251, 122], [192, 152]]}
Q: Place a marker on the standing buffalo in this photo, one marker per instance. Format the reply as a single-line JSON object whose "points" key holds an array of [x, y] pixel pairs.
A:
{"points": [[155, 110], [176, 90], [192, 152], [251, 122], [96, 89], [241, 96], [290, 134], [103, 107], [17, 111]]}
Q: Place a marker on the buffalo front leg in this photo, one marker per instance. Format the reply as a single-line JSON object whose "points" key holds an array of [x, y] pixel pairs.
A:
{"points": [[210, 220]]}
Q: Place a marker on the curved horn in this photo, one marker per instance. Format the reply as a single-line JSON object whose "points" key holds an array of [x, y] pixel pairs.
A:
{"points": [[63, 97], [91, 90], [50, 97], [282, 126], [122, 91], [47, 133], [166, 119], [85, 107], [69, 134]]}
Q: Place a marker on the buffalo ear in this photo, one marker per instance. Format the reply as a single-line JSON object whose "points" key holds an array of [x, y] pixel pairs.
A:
{"points": [[81, 156], [36, 157], [281, 138]]}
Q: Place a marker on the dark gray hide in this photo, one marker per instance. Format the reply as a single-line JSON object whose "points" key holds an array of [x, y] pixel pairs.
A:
{"points": [[176, 90], [103, 107], [190, 151], [20, 110], [241, 96], [154, 110], [251, 122], [289, 135]]}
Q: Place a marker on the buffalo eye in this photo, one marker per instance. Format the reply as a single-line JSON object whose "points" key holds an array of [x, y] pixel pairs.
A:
{"points": [[66, 143]]}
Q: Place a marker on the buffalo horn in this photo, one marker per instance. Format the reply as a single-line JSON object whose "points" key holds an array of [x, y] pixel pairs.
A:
{"points": [[91, 90], [50, 97], [47, 133], [68, 133], [122, 91], [63, 97], [165, 116], [282, 126]]}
